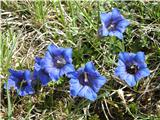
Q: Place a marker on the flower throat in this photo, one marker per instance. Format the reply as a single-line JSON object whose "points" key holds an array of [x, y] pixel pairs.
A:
{"points": [[132, 69]]}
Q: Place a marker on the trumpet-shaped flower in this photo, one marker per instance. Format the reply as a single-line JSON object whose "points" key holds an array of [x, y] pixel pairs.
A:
{"points": [[21, 81], [58, 61], [131, 67], [86, 82], [39, 71], [113, 24]]}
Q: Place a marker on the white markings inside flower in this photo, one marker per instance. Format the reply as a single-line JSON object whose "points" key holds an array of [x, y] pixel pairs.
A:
{"points": [[84, 79], [60, 62], [132, 69], [111, 26]]}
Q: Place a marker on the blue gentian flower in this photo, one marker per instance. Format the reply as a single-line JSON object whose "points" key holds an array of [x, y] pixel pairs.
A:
{"points": [[21, 81], [39, 71], [113, 24], [58, 61], [86, 82], [131, 67]]}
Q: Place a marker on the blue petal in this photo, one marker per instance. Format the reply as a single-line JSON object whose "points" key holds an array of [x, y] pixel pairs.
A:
{"points": [[35, 75], [48, 55], [123, 23], [116, 33], [115, 12], [68, 55], [29, 90], [120, 29], [116, 16], [54, 73], [126, 57], [140, 56], [103, 31], [142, 73], [12, 82], [37, 60], [67, 69], [94, 74], [87, 93], [119, 35], [44, 78], [27, 75], [89, 67], [80, 70], [120, 70], [140, 59], [47, 63], [73, 74], [121, 63], [54, 50], [16, 73], [75, 87], [105, 18], [22, 92], [37, 65], [98, 83], [130, 80]]}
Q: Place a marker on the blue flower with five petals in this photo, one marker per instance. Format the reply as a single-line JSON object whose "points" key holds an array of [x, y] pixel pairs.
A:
{"points": [[21, 81], [131, 67], [113, 24], [86, 82], [58, 61]]}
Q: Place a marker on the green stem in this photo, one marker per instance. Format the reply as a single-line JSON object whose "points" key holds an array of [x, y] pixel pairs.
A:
{"points": [[9, 105]]}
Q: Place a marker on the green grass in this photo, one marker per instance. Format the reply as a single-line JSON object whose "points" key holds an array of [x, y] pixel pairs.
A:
{"points": [[28, 27], [8, 46]]}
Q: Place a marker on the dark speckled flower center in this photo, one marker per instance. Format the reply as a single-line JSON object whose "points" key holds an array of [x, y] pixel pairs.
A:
{"points": [[84, 79], [132, 69], [22, 83], [60, 61]]}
